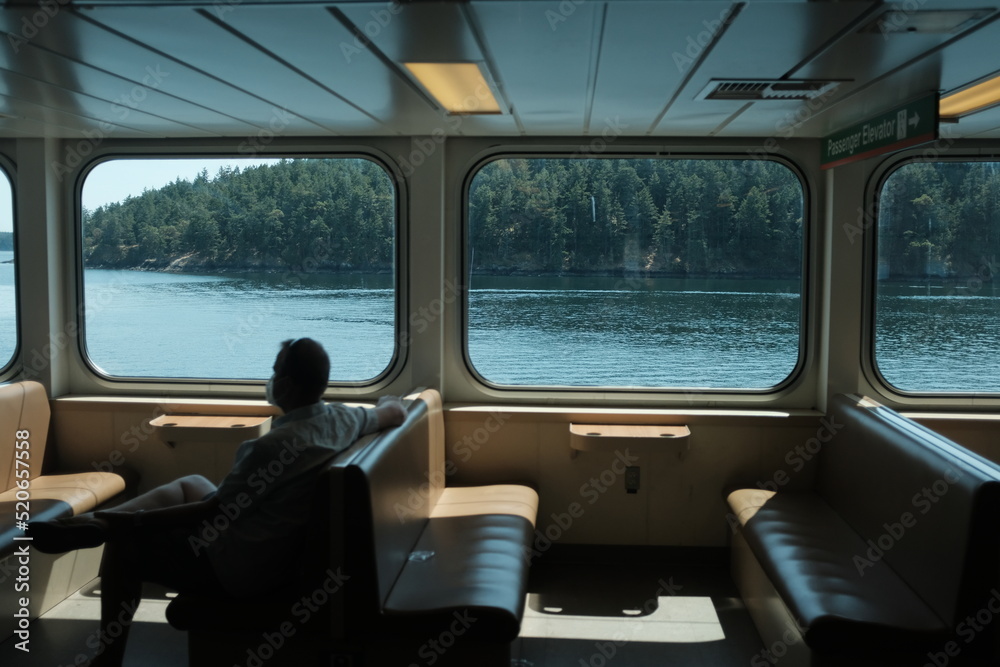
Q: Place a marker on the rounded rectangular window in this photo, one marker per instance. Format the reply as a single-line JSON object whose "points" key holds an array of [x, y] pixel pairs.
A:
{"points": [[937, 300], [8, 274], [200, 267], [635, 272]]}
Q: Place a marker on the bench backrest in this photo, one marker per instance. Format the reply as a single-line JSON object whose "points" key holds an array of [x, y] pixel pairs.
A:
{"points": [[928, 506], [24, 406], [389, 489]]}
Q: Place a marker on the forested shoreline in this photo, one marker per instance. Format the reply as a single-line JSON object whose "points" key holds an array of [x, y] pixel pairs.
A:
{"points": [[649, 217]]}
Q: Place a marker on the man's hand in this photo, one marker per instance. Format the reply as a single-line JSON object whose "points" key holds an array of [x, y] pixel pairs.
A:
{"points": [[390, 412]]}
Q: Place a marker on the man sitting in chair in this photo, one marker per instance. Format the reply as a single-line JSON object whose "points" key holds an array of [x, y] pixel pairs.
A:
{"points": [[160, 536]]}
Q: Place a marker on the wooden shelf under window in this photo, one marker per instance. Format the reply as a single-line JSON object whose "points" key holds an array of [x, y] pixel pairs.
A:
{"points": [[609, 437], [173, 429]]}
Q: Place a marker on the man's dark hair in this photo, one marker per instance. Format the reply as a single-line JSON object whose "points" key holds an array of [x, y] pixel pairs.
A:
{"points": [[307, 364]]}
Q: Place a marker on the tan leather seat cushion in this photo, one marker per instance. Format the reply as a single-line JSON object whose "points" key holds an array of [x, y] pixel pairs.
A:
{"points": [[494, 499], [744, 503], [81, 491]]}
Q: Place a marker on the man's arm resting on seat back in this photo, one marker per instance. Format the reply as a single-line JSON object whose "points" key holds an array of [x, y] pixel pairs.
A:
{"points": [[390, 412]]}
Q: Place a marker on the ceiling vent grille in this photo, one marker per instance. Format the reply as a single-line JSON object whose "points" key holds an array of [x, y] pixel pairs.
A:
{"points": [[758, 90]]}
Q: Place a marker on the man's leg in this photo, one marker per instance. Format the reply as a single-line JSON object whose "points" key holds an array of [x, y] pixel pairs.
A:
{"points": [[121, 581], [86, 530], [184, 490]]}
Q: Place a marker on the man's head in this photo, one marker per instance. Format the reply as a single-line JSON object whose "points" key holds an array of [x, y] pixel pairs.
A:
{"points": [[301, 374]]}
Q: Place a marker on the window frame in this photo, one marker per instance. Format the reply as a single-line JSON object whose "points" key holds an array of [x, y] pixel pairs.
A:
{"points": [[875, 184], [15, 364], [400, 281], [805, 351]]}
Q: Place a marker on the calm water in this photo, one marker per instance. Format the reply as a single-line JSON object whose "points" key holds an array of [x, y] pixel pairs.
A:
{"points": [[640, 332], [548, 331]]}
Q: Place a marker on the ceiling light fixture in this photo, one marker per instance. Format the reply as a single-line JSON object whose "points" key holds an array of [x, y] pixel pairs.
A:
{"points": [[974, 98], [461, 88]]}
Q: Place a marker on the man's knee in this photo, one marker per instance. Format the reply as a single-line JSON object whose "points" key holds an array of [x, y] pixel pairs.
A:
{"points": [[196, 486]]}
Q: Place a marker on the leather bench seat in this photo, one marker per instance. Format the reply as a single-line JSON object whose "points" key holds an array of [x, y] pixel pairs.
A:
{"points": [[81, 492], [414, 560], [24, 408], [884, 558], [809, 552], [473, 564]]}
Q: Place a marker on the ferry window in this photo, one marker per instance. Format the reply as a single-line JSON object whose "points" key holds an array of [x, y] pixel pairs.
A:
{"points": [[198, 268], [634, 272], [8, 299], [937, 302]]}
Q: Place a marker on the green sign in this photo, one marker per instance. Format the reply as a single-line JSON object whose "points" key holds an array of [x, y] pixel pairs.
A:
{"points": [[905, 126]]}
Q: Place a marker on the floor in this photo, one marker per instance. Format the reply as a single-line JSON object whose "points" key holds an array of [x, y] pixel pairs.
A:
{"points": [[586, 608]]}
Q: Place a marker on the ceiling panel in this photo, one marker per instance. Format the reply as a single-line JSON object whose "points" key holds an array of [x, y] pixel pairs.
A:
{"points": [[867, 55], [79, 41], [543, 55], [119, 117], [176, 116], [975, 56], [327, 51], [619, 67], [198, 41], [643, 59], [978, 126], [780, 38], [431, 32], [40, 64]]}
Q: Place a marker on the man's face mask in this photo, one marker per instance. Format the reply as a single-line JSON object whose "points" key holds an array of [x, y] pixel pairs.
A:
{"points": [[269, 392]]}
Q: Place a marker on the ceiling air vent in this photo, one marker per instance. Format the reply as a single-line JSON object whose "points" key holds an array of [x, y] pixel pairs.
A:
{"points": [[757, 90]]}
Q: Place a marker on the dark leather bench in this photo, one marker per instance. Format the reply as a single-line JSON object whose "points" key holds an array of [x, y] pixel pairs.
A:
{"points": [[404, 570], [885, 560]]}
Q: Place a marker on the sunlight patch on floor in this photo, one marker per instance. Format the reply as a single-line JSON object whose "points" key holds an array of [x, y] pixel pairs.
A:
{"points": [[85, 605], [677, 619]]}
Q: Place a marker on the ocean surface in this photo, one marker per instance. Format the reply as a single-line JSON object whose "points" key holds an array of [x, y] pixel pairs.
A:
{"points": [[619, 332]]}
